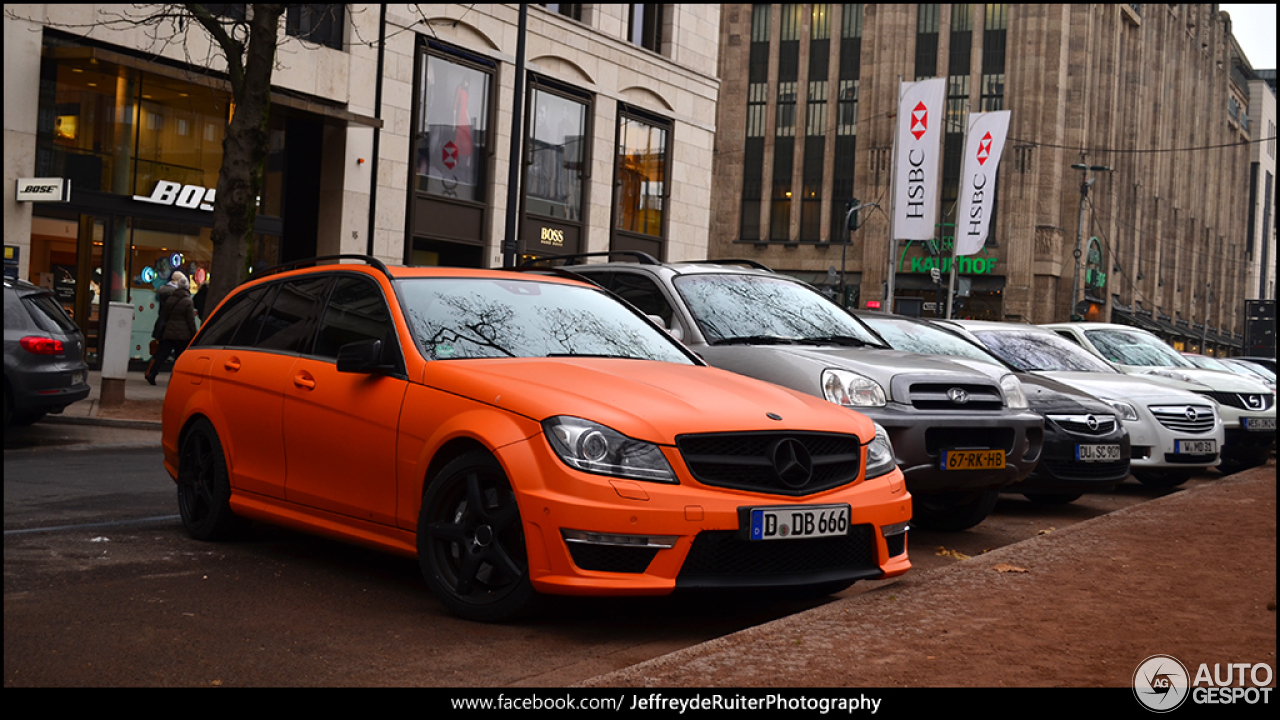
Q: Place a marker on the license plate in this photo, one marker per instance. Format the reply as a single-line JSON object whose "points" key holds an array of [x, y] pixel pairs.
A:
{"points": [[1195, 447], [798, 522], [973, 459], [1097, 453], [1260, 424]]}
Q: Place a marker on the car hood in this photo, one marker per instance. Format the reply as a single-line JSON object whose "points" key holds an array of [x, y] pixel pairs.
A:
{"points": [[1048, 396], [1216, 380], [1128, 387], [878, 364], [643, 399]]}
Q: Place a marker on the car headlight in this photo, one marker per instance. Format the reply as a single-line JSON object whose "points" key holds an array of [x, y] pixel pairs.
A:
{"points": [[1127, 412], [850, 389], [880, 458], [595, 448], [1013, 395]]}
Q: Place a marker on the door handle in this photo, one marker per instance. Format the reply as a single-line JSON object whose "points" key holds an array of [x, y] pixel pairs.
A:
{"points": [[232, 364], [303, 380]]}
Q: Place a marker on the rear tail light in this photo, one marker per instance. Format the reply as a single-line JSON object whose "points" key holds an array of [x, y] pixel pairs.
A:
{"points": [[42, 345]]}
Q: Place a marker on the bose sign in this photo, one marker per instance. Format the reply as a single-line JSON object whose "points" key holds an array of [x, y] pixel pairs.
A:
{"points": [[193, 197], [49, 189]]}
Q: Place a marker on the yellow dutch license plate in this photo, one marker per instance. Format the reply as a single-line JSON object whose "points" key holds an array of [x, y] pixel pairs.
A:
{"points": [[973, 459]]}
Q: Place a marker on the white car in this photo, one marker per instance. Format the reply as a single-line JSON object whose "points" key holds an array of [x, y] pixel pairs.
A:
{"points": [[1173, 432], [1247, 406]]}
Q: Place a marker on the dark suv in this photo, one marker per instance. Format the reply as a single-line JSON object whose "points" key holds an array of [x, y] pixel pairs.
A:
{"points": [[959, 435], [44, 367]]}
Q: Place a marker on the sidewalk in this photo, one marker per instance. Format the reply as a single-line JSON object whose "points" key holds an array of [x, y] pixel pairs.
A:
{"points": [[141, 408]]}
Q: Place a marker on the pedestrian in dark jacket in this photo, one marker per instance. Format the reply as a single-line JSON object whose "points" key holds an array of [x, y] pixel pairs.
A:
{"points": [[178, 317]]}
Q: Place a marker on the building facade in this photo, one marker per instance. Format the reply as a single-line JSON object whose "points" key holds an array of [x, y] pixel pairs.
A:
{"points": [[1261, 246], [390, 133], [1151, 100]]}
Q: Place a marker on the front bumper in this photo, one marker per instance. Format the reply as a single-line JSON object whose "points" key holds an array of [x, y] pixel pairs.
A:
{"points": [[1059, 471], [1158, 435], [919, 437], [701, 524]]}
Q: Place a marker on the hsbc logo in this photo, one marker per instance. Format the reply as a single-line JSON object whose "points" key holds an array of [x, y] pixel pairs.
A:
{"points": [[984, 149], [449, 155], [919, 120], [192, 197]]}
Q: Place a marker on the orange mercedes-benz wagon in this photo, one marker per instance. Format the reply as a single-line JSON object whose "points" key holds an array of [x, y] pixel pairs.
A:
{"points": [[518, 434]]}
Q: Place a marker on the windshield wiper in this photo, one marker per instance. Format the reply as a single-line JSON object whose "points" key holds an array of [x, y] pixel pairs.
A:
{"points": [[755, 340], [592, 355], [845, 340]]}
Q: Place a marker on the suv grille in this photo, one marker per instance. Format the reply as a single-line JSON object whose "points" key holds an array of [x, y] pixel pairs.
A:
{"points": [[1185, 418], [775, 463], [721, 558], [937, 439], [1243, 401], [955, 396], [1102, 424]]}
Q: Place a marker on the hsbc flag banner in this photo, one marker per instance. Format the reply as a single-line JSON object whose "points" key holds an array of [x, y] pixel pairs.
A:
{"points": [[915, 201], [987, 132]]}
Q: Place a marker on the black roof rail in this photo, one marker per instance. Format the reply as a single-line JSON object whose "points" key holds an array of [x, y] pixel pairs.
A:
{"points": [[643, 258], [731, 261], [526, 267], [295, 264]]}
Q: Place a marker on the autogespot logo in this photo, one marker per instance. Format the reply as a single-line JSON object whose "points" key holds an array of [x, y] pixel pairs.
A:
{"points": [[1161, 683]]}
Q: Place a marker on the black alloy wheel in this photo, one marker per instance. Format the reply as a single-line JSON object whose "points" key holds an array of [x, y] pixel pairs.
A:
{"points": [[471, 542], [204, 489]]}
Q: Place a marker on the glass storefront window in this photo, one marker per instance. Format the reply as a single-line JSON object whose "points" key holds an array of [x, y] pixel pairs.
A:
{"points": [[642, 176], [452, 129], [557, 156]]}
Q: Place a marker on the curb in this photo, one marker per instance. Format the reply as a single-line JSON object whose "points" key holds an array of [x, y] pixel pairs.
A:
{"points": [[104, 422]]}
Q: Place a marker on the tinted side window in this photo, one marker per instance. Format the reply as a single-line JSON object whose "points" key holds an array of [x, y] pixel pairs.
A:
{"points": [[247, 333], [290, 323], [223, 325], [643, 293], [356, 311]]}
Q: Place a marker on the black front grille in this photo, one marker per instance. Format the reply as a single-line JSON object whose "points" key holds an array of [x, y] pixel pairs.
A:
{"points": [[749, 461], [1073, 470], [719, 558], [1243, 401], [937, 439], [611, 558], [1079, 424], [940, 396]]}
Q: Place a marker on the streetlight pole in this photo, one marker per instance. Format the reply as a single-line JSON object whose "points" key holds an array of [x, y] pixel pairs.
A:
{"points": [[1085, 182]]}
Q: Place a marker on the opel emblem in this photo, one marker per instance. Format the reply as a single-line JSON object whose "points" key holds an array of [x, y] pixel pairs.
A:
{"points": [[1191, 413], [1092, 422], [959, 396], [792, 463]]}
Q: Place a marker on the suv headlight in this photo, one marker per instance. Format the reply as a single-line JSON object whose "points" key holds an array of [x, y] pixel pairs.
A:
{"points": [[595, 448], [1127, 412], [880, 459], [1013, 395], [850, 389]]}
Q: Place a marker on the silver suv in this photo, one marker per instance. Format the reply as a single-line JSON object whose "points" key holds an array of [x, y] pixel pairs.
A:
{"points": [[959, 436]]}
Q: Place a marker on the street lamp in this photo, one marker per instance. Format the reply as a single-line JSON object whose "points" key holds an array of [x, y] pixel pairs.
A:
{"points": [[1085, 182], [850, 223]]}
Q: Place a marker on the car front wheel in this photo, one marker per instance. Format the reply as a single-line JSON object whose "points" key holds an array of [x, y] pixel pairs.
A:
{"points": [[471, 542]]}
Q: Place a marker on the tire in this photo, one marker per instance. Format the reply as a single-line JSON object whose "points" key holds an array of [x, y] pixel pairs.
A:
{"points": [[204, 489], [1162, 479], [951, 512], [471, 542], [26, 418], [1243, 459], [1053, 498]]}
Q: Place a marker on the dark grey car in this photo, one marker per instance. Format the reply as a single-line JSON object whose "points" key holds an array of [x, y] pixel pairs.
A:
{"points": [[44, 367], [959, 435]]}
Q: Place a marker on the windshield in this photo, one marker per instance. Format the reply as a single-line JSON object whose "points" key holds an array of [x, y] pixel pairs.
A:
{"points": [[1135, 347], [1206, 362], [467, 318], [1031, 350], [752, 308], [918, 337], [1248, 367]]}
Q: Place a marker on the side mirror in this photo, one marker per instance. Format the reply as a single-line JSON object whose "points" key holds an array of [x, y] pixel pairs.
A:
{"points": [[363, 356], [674, 331]]}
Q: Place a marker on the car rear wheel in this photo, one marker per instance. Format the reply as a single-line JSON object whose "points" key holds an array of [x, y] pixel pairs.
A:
{"points": [[204, 489], [471, 541], [952, 511], [1161, 479]]}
